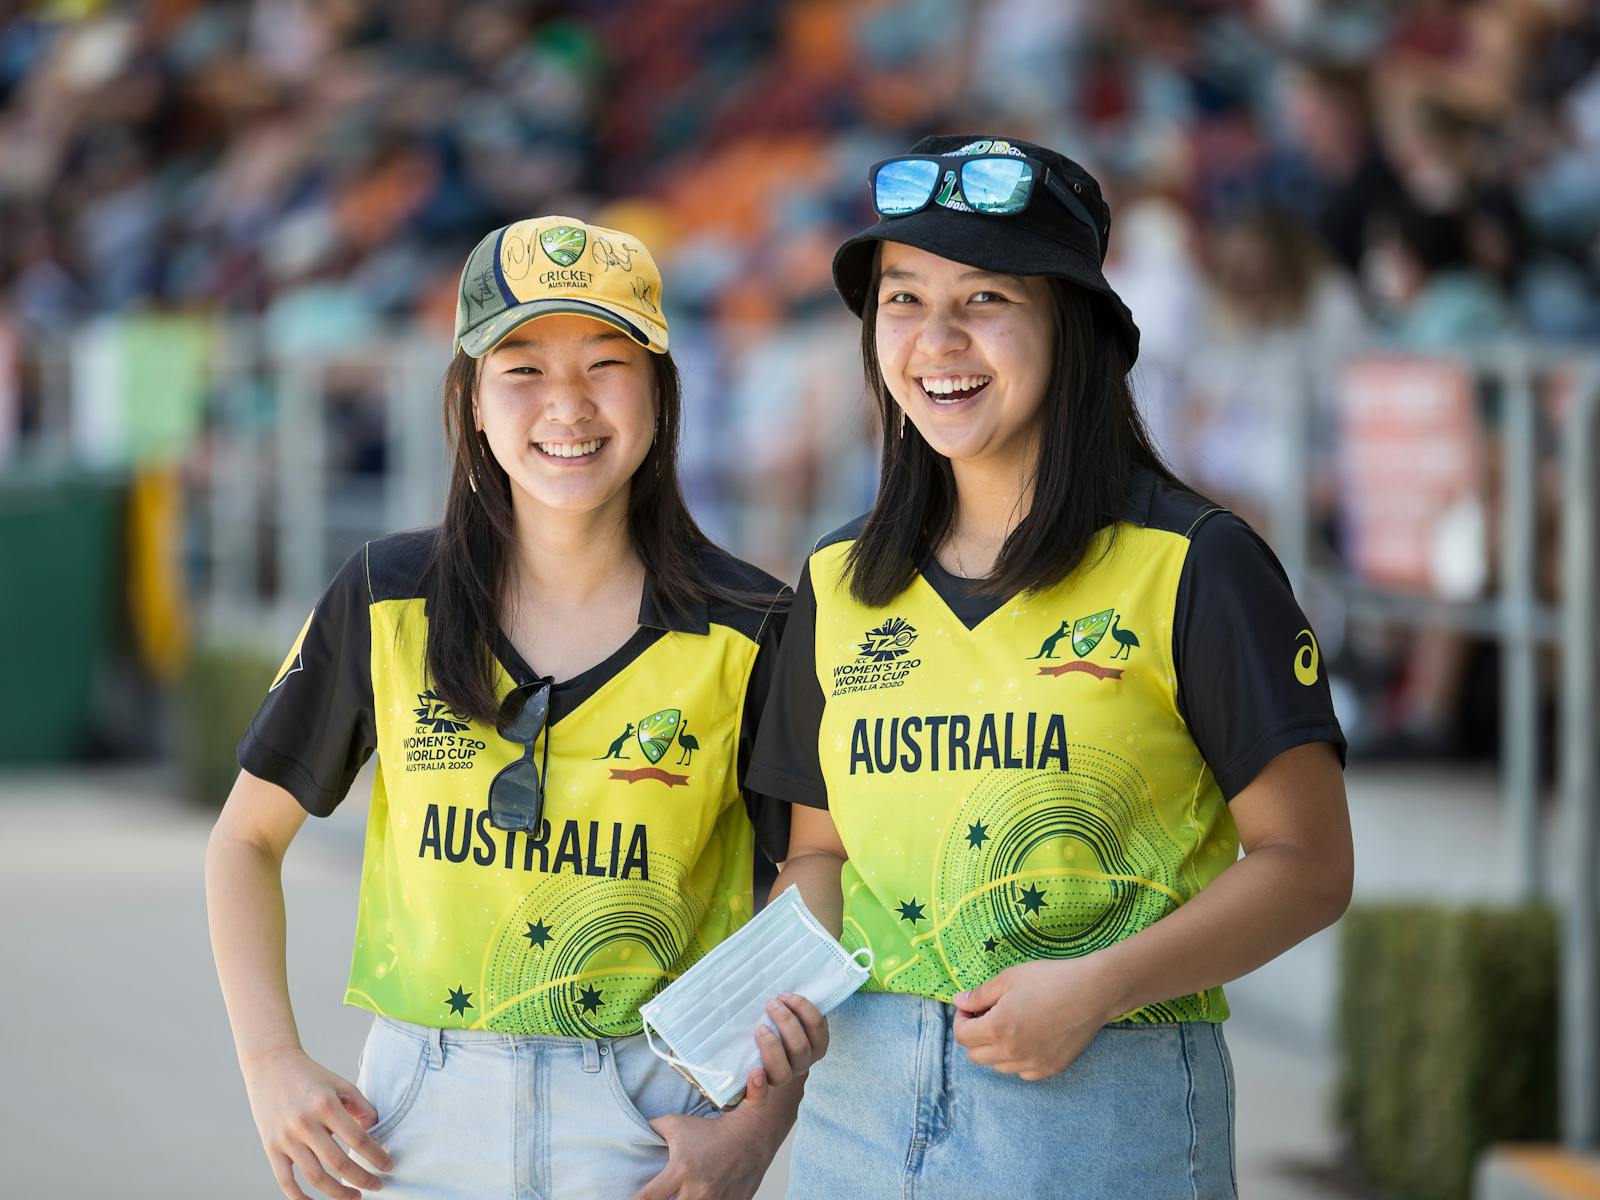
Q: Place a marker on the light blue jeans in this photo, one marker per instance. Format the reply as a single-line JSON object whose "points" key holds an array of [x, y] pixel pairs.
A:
{"points": [[497, 1116], [897, 1109]]}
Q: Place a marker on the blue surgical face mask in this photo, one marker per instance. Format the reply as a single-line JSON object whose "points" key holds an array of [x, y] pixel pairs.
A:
{"points": [[706, 1019]]}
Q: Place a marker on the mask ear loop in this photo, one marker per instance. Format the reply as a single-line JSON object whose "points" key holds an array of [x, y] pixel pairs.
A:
{"points": [[871, 957], [697, 1071]]}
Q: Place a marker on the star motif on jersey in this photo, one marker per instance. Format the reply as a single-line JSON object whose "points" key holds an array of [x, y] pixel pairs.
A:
{"points": [[1032, 899], [459, 1001], [989, 945], [977, 835], [911, 910], [538, 934], [589, 999]]}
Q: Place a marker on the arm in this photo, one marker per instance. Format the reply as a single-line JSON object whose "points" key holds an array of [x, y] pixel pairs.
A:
{"points": [[816, 856], [298, 1106], [1294, 879], [727, 1156]]}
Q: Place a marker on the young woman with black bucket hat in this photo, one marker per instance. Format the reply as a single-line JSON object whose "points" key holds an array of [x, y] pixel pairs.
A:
{"points": [[561, 684], [1028, 709]]}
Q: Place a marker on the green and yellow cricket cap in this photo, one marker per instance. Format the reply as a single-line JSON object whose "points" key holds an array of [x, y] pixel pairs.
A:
{"points": [[547, 265]]}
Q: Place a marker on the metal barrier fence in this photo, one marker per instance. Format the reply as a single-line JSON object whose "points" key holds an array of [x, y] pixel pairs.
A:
{"points": [[275, 530]]}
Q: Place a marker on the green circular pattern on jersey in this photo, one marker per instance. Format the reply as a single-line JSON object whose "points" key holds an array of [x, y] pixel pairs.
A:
{"points": [[619, 942], [1090, 841]]}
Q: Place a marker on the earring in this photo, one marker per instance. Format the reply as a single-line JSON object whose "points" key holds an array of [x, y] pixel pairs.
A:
{"points": [[902, 422], [472, 476]]}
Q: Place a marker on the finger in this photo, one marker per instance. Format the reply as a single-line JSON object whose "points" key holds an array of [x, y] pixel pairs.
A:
{"points": [[983, 997], [987, 1055], [663, 1187], [973, 1031], [341, 1165], [318, 1178], [756, 1091], [773, 1057], [816, 1025], [283, 1172], [795, 1041], [666, 1126], [1013, 1066], [357, 1105], [354, 1135]]}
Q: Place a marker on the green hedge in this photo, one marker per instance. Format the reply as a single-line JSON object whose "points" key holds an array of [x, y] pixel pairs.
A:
{"points": [[1447, 1039], [221, 691]]}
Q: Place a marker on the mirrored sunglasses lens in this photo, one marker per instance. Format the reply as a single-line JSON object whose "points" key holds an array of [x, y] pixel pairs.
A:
{"points": [[514, 797], [902, 187], [997, 185]]}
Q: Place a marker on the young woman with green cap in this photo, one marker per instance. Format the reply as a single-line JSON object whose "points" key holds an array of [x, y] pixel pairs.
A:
{"points": [[1028, 709], [541, 853]]}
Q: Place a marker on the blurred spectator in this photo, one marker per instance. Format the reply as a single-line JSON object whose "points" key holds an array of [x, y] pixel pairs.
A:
{"points": [[319, 169], [1428, 295], [1260, 381]]}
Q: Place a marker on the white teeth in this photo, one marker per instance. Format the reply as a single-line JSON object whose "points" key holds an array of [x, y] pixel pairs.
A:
{"points": [[955, 383], [570, 449]]}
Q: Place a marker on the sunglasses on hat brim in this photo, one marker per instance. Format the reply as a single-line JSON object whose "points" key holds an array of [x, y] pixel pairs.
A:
{"points": [[996, 185]]}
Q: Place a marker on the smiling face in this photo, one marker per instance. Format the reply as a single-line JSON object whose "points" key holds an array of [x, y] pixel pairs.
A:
{"points": [[966, 354], [568, 406]]}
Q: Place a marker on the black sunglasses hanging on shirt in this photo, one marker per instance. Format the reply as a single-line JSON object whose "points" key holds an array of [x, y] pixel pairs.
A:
{"points": [[516, 794]]}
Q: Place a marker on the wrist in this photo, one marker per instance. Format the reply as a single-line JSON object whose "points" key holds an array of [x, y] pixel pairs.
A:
{"points": [[771, 1122], [254, 1058], [1111, 983]]}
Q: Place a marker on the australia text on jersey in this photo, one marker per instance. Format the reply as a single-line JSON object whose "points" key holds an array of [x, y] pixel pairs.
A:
{"points": [[959, 742], [461, 834], [457, 834]]}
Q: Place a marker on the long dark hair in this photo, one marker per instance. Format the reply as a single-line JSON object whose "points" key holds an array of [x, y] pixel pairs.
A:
{"points": [[466, 575], [1091, 441]]}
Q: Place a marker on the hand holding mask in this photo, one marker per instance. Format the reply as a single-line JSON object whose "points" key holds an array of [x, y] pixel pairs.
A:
{"points": [[706, 1019]]}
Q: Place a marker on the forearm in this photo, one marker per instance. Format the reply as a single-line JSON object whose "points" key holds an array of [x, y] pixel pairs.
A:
{"points": [[1264, 904], [816, 874], [244, 906]]}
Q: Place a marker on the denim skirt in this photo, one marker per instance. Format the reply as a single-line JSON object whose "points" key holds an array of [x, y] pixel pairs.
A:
{"points": [[897, 1109]]}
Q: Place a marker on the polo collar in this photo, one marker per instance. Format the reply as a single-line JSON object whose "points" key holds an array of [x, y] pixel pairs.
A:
{"points": [[652, 615]]}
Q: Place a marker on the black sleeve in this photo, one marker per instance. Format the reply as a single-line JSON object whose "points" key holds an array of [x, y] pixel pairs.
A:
{"points": [[1251, 680], [768, 815], [786, 763], [316, 728]]}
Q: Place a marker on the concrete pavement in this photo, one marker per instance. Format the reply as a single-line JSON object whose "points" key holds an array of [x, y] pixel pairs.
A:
{"points": [[120, 1078]]}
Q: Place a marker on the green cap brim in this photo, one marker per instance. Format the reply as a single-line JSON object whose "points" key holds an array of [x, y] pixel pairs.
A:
{"points": [[478, 342]]}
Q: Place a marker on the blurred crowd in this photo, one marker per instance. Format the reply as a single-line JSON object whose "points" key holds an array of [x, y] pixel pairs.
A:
{"points": [[1290, 180]]}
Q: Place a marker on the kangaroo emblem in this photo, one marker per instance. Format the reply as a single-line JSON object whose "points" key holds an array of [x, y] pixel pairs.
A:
{"points": [[616, 746], [1048, 650]]}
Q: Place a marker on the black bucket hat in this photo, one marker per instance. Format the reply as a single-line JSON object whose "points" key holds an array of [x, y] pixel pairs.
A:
{"points": [[1046, 238]]}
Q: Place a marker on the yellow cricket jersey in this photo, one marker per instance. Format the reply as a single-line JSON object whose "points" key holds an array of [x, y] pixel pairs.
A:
{"points": [[642, 860], [1040, 776]]}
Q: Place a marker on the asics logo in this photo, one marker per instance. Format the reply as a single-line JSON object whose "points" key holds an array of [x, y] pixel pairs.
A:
{"points": [[1306, 658]]}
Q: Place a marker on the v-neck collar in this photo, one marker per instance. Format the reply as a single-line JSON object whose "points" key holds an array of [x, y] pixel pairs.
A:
{"points": [[972, 607], [960, 595], [567, 695], [655, 619]]}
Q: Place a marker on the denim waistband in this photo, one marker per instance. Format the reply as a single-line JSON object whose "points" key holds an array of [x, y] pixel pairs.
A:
{"points": [[431, 1033]]}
